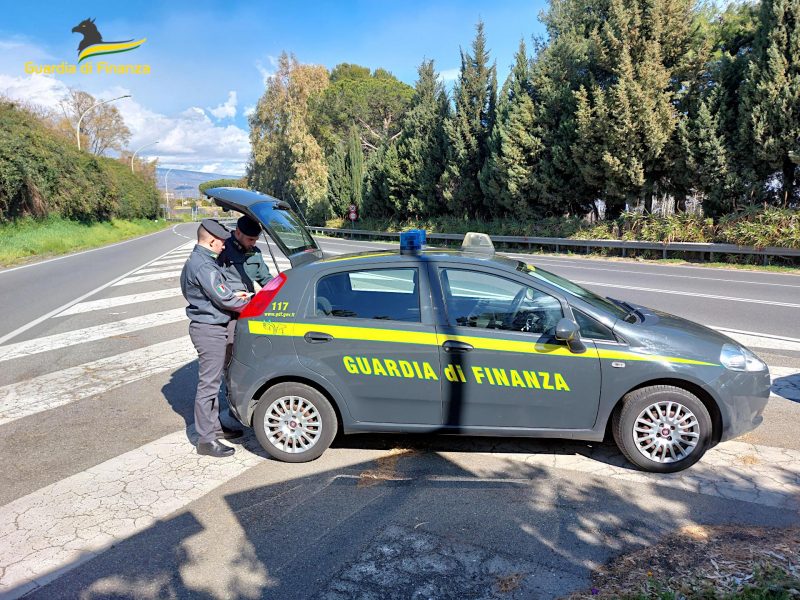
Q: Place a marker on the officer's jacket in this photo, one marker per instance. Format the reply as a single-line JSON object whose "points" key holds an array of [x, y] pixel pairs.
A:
{"points": [[210, 296], [242, 267]]}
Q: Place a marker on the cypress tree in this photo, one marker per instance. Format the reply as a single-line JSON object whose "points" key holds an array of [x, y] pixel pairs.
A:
{"points": [[771, 93], [415, 165], [507, 177], [469, 128]]}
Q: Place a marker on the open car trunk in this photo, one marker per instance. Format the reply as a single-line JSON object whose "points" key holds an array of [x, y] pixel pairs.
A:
{"points": [[277, 219]]}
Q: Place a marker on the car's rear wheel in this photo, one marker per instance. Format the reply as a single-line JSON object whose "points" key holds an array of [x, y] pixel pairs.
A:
{"points": [[662, 428], [294, 422]]}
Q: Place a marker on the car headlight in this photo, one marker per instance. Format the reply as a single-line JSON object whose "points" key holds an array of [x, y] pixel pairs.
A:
{"points": [[737, 358]]}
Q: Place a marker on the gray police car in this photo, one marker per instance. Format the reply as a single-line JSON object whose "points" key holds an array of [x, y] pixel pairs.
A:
{"points": [[471, 342]]}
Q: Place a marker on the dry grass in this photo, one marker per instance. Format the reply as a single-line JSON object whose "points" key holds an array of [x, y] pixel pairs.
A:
{"points": [[710, 562]]}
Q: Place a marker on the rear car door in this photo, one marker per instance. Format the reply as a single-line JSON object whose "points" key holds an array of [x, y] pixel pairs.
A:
{"points": [[502, 366], [370, 332]]}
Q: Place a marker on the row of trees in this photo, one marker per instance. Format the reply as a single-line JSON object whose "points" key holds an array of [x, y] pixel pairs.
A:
{"points": [[625, 103]]}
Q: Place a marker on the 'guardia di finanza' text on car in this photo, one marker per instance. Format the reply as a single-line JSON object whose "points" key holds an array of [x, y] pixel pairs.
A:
{"points": [[471, 342]]}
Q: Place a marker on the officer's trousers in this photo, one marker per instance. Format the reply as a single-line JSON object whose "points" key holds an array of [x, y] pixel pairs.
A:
{"points": [[210, 341]]}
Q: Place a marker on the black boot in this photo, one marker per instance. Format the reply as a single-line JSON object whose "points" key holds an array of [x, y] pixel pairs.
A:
{"points": [[216, 449]]}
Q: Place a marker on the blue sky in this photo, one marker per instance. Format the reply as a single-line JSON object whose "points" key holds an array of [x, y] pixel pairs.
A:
{"points": [[209, 59]]}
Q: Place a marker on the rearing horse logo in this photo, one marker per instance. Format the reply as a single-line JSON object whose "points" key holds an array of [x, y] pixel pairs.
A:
{"points": [[92, 43]]}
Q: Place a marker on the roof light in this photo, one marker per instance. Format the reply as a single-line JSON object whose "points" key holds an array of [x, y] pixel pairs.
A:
{"points": [[412, 240], [479, 243]]}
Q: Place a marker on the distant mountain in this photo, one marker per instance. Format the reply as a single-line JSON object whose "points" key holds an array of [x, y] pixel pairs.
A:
{"points": [[184, 183]]}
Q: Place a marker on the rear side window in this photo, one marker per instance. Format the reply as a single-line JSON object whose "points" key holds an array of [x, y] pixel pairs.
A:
{"points": [[387, 294], [592, 328]]}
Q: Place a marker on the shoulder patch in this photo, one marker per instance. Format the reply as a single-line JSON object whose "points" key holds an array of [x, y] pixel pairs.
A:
{"points": [[221, 289]]}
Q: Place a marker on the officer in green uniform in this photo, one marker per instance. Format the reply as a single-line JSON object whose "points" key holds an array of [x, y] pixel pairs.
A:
{"points": [[242, 259]]}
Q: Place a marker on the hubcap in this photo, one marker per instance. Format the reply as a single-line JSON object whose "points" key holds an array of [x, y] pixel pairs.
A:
{"points": [[292, 424], [666, 432]]}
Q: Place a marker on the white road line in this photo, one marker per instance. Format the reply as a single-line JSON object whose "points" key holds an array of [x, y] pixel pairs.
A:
{"points": [[755, 340], [58, 388], [52, 530], [168, 261], [159, 269], [84, 307], [54, 312], [90, 334], [693, 294], [148, 277], [797, 285]]}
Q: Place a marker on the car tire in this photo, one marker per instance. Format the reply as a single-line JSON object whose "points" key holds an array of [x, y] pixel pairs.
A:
{"points": [[294, 422], [655, 426]]}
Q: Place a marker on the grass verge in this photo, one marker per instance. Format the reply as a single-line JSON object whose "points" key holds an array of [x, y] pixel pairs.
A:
{"points": [[29, 239], [715, 562]]}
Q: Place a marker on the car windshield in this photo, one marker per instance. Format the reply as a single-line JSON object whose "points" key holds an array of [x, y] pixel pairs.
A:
{"points": [[285, 225], [565, 285]]}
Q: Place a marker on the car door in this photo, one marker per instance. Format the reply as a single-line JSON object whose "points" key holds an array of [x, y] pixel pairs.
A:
{"points": [[370, 332], [502, 366]]}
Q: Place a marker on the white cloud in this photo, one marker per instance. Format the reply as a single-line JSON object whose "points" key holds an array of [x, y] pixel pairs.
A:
{"points": [[266, 73], [227, 110], [190, 140], [449, 75], [249, 110]]}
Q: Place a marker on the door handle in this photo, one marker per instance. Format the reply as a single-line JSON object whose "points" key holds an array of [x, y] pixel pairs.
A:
{"points": [[456, 346], [315, 337]]}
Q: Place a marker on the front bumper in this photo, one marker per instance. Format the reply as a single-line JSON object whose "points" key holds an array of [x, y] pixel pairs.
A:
{"points": [[743, 399]]}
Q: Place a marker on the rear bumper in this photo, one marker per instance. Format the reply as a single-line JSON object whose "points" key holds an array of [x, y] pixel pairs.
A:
{"points": [[242, 386]]}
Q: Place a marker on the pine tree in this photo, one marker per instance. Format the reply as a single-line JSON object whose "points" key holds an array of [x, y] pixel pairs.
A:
{"points": [[709, 163], [469, 128], [339, 182], [771, 93], [415, 164], [355, 166], [508, 175]]}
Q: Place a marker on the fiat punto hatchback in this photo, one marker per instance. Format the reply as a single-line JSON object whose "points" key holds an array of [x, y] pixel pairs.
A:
{"points": [[471, 342]]}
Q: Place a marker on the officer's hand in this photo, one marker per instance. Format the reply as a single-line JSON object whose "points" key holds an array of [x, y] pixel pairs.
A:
{"points": [[244, 294]]}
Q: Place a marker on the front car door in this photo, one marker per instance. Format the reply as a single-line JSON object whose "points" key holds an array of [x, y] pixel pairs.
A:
{"points": [[502, 366], [370, 332]]}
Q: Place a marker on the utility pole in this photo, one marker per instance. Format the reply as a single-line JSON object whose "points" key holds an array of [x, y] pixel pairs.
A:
{"points": [[166, 184], [83, 114]]}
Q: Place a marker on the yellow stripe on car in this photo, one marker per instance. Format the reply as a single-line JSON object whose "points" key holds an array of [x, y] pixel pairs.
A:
{"points": [[399, 336]]}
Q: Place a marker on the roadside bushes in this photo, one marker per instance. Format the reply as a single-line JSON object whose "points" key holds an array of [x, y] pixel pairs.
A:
{"points": [[756, 226], [42, 174]]}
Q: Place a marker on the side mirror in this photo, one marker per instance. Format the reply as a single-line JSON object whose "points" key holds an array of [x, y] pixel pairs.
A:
{"points": [[567, 331]]}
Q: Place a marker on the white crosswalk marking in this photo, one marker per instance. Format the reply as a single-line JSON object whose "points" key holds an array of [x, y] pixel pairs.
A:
{"points": [[92, 305], [161, 269], [54, 389], [149, 277], [169, 261], [80, 516], [90, 334]]}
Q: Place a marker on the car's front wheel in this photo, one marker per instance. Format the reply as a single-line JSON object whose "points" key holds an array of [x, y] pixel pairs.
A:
{"points": [[662, 428], [294, 422]]}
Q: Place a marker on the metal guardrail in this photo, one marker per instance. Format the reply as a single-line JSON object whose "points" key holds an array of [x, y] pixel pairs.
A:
{"points": [[559, 243]]}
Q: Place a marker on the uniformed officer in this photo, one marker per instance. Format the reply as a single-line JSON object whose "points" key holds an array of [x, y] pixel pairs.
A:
{"points": [[212, 301], [242, 259]]}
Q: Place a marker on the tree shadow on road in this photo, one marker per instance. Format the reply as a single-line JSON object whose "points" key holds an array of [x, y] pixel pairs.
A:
{"points": [[410, 523]]}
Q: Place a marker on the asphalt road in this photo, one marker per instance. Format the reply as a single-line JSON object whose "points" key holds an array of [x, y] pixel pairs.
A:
{"points": [[102, 495]]}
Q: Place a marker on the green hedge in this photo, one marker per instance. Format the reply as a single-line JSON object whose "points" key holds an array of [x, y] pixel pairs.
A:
{"points": [[759, 227], [42, 173]]}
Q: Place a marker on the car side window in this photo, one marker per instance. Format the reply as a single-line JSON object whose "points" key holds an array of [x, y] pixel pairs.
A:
{"points": [[388, 294], [481, 300], [592, 328]]}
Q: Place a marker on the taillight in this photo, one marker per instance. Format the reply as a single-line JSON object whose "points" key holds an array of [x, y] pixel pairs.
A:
{"points": [[260, 302]]}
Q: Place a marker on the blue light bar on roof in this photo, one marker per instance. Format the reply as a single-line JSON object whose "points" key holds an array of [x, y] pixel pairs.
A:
{"points": [[412, 240]]}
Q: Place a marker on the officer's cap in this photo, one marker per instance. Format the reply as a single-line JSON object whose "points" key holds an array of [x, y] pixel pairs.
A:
{"points": [[248, 226], [215, 228]]}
